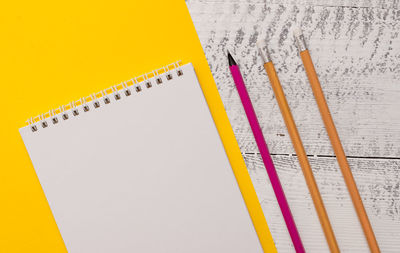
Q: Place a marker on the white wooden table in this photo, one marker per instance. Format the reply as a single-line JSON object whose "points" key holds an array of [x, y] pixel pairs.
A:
{"points": [[355, 46]]}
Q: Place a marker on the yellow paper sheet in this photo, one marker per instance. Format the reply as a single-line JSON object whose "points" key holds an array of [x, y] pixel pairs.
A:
{"points": [[54, 52]]}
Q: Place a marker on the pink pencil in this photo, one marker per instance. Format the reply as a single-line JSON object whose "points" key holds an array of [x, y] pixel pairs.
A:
{"points": [[266, 157]]}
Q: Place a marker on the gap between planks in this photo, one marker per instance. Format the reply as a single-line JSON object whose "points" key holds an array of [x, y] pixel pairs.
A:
{"points": [[330, 156]]}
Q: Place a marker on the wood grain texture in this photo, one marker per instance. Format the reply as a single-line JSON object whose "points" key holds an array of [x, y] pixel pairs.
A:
{"points": [[379, 187], [356, 52], [355, 46], [381, 4]]}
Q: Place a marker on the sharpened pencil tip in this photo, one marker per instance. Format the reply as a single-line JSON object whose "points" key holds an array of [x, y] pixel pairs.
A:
{"points": [[299, 37], [261, 44], [230, 59], [263, 50], [297, 32]]}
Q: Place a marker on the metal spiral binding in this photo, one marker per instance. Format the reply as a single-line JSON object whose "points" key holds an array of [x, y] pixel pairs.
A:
{"points": [[64, 112], [54, 118], [96, 103]]}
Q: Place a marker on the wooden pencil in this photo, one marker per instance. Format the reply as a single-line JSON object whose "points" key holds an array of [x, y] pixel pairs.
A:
{"points": [[299, 148], [265, 155], [335, 142]]}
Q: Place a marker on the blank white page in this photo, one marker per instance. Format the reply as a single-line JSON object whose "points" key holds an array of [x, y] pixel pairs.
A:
{"points": [[146, 173]]}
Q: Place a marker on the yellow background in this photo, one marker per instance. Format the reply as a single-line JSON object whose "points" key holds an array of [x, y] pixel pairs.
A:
{"points": [[53, 52]]}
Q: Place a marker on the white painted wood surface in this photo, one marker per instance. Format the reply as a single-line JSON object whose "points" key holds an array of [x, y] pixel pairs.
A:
{"points": [[378, 181], [355, 46]]}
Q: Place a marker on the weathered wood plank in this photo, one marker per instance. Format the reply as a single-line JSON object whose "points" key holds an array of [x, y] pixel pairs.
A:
{"points": [[356, 52], [382, 4], [379, 186]]}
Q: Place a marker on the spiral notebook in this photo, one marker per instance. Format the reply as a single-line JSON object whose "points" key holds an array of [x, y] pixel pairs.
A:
{"points": [[140, 167]]}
